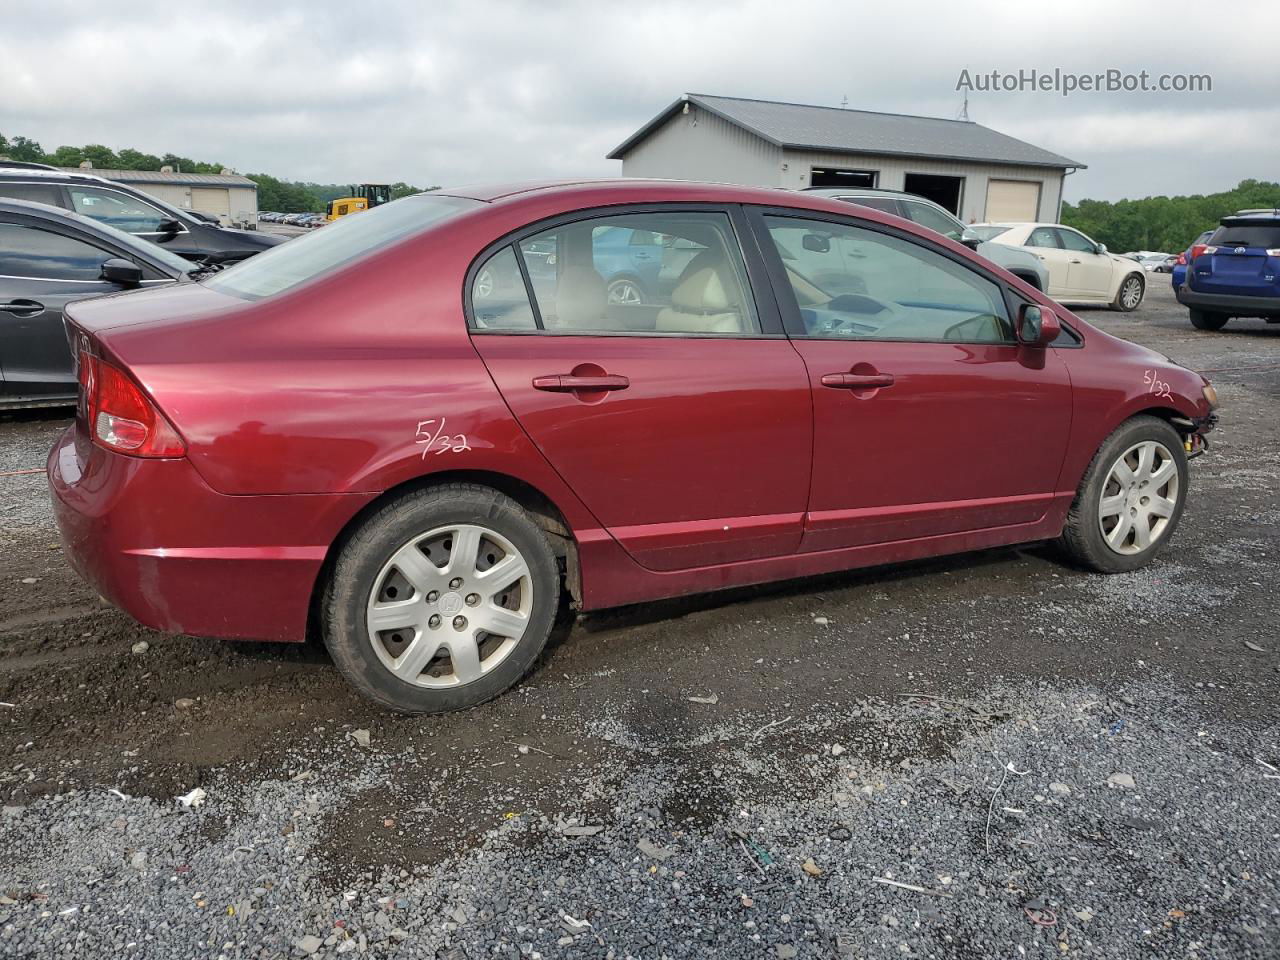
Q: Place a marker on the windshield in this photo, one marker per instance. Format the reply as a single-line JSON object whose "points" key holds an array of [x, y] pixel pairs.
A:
{"points": [[286, 266], [1247, 235], [988, 233]]}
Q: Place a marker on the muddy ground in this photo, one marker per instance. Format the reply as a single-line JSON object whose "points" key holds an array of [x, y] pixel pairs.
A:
{"points": [[84, 712]]}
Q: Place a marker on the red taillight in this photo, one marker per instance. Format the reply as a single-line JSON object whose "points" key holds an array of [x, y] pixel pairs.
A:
{"points": [[120, 416], [1199, 248], [1182, 260]]}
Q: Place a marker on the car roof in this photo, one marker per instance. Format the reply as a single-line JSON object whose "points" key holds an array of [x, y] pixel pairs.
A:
{"points": [[627, 190], [1257, 217], [48, 173], [864, 192]]}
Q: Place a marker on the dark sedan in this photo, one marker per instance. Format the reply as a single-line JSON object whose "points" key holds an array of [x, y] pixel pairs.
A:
{"points": [[49, 257]]}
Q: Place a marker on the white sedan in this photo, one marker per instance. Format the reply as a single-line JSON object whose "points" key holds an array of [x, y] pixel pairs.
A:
{"points": [[1080, 270]]}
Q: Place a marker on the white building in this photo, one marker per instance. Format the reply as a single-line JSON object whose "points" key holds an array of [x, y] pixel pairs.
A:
{"points": [[231, 198], [976, 172]]}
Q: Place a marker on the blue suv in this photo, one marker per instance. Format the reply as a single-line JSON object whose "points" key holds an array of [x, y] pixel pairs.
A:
{"points": [[1235, 274]]}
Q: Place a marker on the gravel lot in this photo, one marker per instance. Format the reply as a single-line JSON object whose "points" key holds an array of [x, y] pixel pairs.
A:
{"points": [[992, 755]]}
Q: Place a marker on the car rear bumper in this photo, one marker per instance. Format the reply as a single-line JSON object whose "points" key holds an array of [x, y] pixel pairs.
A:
{"points": [[155, 540], [1228, 303]]}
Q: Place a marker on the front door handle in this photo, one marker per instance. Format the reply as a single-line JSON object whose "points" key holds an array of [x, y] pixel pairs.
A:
{"points": [[568, 383], [857, 381], [1075, 261], [22, 308]]}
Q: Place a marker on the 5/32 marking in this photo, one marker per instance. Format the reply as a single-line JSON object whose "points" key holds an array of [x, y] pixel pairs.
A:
{"points": [[431, 436], [1156, 385]]}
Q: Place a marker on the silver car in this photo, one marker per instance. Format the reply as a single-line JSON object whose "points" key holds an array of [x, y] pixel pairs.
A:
{"points": [[1021, 263]]}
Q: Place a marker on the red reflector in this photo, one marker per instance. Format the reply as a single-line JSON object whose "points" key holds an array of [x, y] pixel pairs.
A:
{"points": [[120, 416]]}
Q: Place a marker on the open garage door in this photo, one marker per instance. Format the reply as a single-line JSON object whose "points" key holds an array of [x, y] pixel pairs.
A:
{"points": [[1013, 200]]}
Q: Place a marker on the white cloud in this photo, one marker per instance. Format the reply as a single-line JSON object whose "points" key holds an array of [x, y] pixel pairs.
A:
{"points": [[501, 89]]}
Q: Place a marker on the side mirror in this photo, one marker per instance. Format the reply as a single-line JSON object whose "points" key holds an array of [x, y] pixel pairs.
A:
{"points": [[970, 239], [124, 272], [1037, 326], [1102, 248], [168, 226], [816, 243]]}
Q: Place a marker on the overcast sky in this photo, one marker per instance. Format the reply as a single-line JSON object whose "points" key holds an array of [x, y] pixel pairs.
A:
{"points": [[450, 93]]}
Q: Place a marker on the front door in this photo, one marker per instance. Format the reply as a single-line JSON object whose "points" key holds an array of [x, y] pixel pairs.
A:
{"points": [[1088, 272], [40, 272], [929, 418], [681, 417]]}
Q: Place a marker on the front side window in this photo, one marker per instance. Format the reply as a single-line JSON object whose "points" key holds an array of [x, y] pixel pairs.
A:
{"points": [[287, 265], [858, 284], [1076, 242], [36, 254], [934, 219], [120, 210], [645, 273]]}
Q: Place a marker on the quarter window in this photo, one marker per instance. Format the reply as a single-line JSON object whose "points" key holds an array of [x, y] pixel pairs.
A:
{"points": [[852, 283], [119, 210], [634, 273], [43, 255]]}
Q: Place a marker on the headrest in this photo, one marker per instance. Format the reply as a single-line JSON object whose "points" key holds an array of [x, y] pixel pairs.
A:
{"points": [[705, 286], [580, 298]]}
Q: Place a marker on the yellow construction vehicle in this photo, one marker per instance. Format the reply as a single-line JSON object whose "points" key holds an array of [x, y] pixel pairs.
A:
{"points": [[362, 197]]}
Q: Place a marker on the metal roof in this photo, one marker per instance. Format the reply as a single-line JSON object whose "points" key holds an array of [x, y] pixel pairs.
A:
{"points": [[835, 129], [156, 176]]}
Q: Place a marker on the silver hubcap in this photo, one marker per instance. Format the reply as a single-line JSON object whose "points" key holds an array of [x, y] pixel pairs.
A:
{"points": [[449, 606], [1138, 498], [1132, 292], [624, 291]]}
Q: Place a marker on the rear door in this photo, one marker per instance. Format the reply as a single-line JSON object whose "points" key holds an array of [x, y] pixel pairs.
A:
{"points": [[1044, 243], [929, 418], [41, 270], [1089, 274], [1241, 260], [683, 422]]}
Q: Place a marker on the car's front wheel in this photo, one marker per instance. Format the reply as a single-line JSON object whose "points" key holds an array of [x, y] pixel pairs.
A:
{"points": [[441, 600], [1204, 320], [1130, 294], [1131, 498]]}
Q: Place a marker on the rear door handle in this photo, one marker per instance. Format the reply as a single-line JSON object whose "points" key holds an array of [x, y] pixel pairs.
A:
{"points": [[857, 381], [1075, 261], [22, 308], [568, 383]]}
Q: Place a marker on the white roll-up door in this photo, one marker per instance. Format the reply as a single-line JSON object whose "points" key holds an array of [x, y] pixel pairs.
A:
{"points": [[1012, 200], [214, 200]]}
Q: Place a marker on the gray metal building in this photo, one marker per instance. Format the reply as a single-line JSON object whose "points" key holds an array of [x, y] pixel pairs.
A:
{"points": [[231, 198], [976, 172]]}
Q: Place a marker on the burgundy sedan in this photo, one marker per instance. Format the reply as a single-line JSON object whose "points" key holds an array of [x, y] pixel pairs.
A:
{"points": [[416, 432]]}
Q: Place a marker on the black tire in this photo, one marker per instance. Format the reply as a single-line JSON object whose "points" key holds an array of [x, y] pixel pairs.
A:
{"points": [[1082, 537], [362, 560], [1119, 303], [1204, 320]]}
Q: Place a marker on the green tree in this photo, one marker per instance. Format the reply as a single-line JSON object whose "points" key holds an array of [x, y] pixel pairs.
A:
{"points": [[1164, 223], [20, 148], [130, 159]]}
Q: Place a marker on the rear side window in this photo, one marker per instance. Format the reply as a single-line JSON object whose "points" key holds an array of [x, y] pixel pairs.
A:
{"points": [[644, 273], [1043, 237], [287, 265], [36, 254], [35, 192], [1247, 235]]}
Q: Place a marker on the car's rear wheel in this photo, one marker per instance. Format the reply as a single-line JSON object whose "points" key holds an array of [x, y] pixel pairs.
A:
{"points": [[1204, 320], [1129, 296], [441, 600], [1131, 498], [626, 291]]}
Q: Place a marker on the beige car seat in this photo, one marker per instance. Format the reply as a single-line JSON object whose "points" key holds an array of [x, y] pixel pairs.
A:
{"points": [[706, 300], [580, 301]]}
